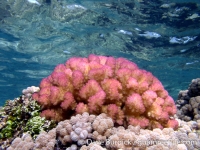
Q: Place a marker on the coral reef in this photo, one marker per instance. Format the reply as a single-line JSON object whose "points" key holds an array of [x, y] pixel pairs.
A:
{"points": [[79, 133], [21, 115], [72, 134], [100, 84], [188, 102]]}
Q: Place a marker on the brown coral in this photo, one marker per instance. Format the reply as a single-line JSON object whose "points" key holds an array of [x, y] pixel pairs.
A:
{"points": [[188, 102]]}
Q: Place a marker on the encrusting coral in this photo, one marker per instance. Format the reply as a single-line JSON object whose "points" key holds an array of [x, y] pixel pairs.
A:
{"points": [[100, 84], [188, 102]]}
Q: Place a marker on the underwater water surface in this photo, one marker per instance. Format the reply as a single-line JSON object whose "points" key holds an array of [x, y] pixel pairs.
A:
{"points": [[160, 36]]}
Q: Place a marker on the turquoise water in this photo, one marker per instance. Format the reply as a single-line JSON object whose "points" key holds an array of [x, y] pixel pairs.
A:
{"points": [[163, 39]]}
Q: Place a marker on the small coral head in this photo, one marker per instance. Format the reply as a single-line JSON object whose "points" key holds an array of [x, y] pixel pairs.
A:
{"points": [[169, 106], [45, 83], [139, 121], [45, 91], [59, 79], [172, 123], [115, 113], [94, 58], [96, 101], [60, 68], [113, 88], [156, 85], [101, 73], [68, 102], [77, 79], [55, 95], [81, 108], [89, 89], [35, 96], [77, 63], [135, 104], [148, 98], [44, 100], [155, 111], [132, 83]]}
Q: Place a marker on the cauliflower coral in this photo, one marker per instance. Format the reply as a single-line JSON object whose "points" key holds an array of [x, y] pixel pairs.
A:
{"points": [[100, 84]]}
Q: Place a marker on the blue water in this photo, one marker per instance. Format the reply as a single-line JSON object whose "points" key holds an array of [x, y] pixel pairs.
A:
{"points": [[35, 38]]}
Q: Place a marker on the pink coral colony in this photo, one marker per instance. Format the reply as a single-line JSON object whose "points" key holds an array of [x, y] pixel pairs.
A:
{"points": [[100, 84]]}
